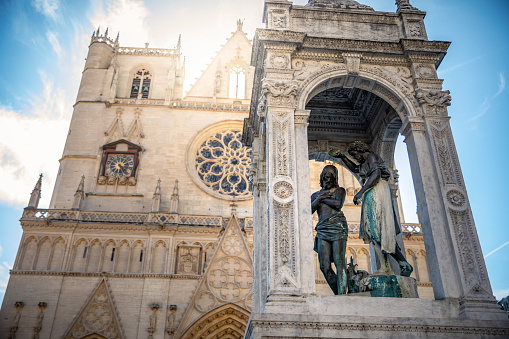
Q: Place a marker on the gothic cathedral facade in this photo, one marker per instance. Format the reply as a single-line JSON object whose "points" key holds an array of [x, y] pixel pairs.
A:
{"points": [[149, 233]]}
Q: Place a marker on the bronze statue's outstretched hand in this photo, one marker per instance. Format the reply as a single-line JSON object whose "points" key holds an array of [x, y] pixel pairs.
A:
{"points": [[357, 199], [336, 154]]}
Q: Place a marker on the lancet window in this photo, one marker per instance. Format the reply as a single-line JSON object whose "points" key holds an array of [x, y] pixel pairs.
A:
{"points": [[237, 82], [141, 84]]}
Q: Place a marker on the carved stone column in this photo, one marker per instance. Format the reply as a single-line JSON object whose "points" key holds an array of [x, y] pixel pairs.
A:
{"points": [[454, 254], [476, 296], [304, 206], [433, 221], [283, 222]]}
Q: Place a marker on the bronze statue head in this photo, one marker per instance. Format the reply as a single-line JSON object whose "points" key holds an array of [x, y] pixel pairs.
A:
{"points": [[357, 149], [334, 180]]}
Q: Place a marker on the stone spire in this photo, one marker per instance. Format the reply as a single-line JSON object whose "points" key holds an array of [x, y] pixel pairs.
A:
{"points": [[339, 4], [79, 196], [156, 198], [179, 43], [174, 203], [35, 196]]}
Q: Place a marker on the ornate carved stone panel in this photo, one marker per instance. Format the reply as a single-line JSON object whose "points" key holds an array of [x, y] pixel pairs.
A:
{"points": [[446, 156], [98, 316], [434, 102], [280, 93], [228, 278], [471, 260], [188, 259]]}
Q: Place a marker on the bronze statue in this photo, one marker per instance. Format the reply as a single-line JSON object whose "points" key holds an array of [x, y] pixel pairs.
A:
{"points": [[379, 223], [331, 230]]}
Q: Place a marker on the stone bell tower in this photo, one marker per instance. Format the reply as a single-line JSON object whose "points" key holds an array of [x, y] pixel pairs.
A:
{"points": [[329, 73]]}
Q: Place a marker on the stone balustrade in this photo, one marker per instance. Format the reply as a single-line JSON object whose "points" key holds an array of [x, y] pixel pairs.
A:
{"points": [[129, 218]]}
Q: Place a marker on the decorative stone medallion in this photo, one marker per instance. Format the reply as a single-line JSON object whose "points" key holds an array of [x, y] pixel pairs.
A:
{"points": [[283, 190], [205, 302], [456, 198], [279, 61]]}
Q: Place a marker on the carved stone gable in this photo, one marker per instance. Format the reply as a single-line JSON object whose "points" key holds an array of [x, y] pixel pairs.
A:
{"points": [[228, 279], [98, 316]]}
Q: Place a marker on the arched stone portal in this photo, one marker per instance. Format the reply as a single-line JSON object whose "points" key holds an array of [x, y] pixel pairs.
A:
{"points": [[313, 64]]}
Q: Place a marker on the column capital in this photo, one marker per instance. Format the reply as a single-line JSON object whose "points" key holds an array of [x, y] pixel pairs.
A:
{"points": [[412, 124], [301, 116]]}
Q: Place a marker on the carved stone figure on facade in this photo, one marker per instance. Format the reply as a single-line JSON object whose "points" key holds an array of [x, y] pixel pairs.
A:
{"points": [[332, 229], [40, 318], [170, 321], [379, 222], [152, 320], [15, 321]]}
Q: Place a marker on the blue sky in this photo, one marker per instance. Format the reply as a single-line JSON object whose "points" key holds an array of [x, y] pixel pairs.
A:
{"points": [[44, 45]]}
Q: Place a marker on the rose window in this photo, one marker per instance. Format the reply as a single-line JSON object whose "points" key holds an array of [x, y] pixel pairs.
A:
{"points": [[222, 164]]}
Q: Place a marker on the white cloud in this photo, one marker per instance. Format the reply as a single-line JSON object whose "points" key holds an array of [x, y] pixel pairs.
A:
{"points": [[501, 84], [31, 143], [125, 16], [52, 38], [48, 8], [486, 104], [4, 277]]}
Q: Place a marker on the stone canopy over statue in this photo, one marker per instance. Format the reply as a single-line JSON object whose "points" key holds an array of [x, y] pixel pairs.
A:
{"points": [[379, 226]]}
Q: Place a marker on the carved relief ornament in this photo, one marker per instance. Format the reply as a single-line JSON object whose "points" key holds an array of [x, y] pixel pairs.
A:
{"points": [[280, 93], [434, 102]]}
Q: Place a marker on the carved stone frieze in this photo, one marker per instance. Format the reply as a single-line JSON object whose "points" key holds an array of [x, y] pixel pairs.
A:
{"points": [[434, 102], [280, 93]]}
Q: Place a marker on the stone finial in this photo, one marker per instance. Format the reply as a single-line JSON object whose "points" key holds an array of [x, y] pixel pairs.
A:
{"points": [[106, 33], [179, 43], [116, 39], [404, 5], [174, 203], [79, 196], [35, 196], [156, 198], [97, 33], [240, 23]]}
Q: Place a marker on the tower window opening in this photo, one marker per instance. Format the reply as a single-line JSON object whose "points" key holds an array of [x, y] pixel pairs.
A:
{"points": [[141, 84], [141, 255], [237, 83], [112, 254], [85, 252]]}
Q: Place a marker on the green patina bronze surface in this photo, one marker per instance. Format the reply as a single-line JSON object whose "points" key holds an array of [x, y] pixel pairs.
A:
{"points": [[392, 286]]}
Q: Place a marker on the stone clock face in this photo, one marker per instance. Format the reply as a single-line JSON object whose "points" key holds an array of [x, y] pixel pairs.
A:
{"points": [[119, 165]]}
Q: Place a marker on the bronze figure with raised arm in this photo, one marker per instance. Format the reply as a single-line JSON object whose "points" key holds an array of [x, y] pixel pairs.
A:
{"points": [[331, 230], [379, 223]]}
